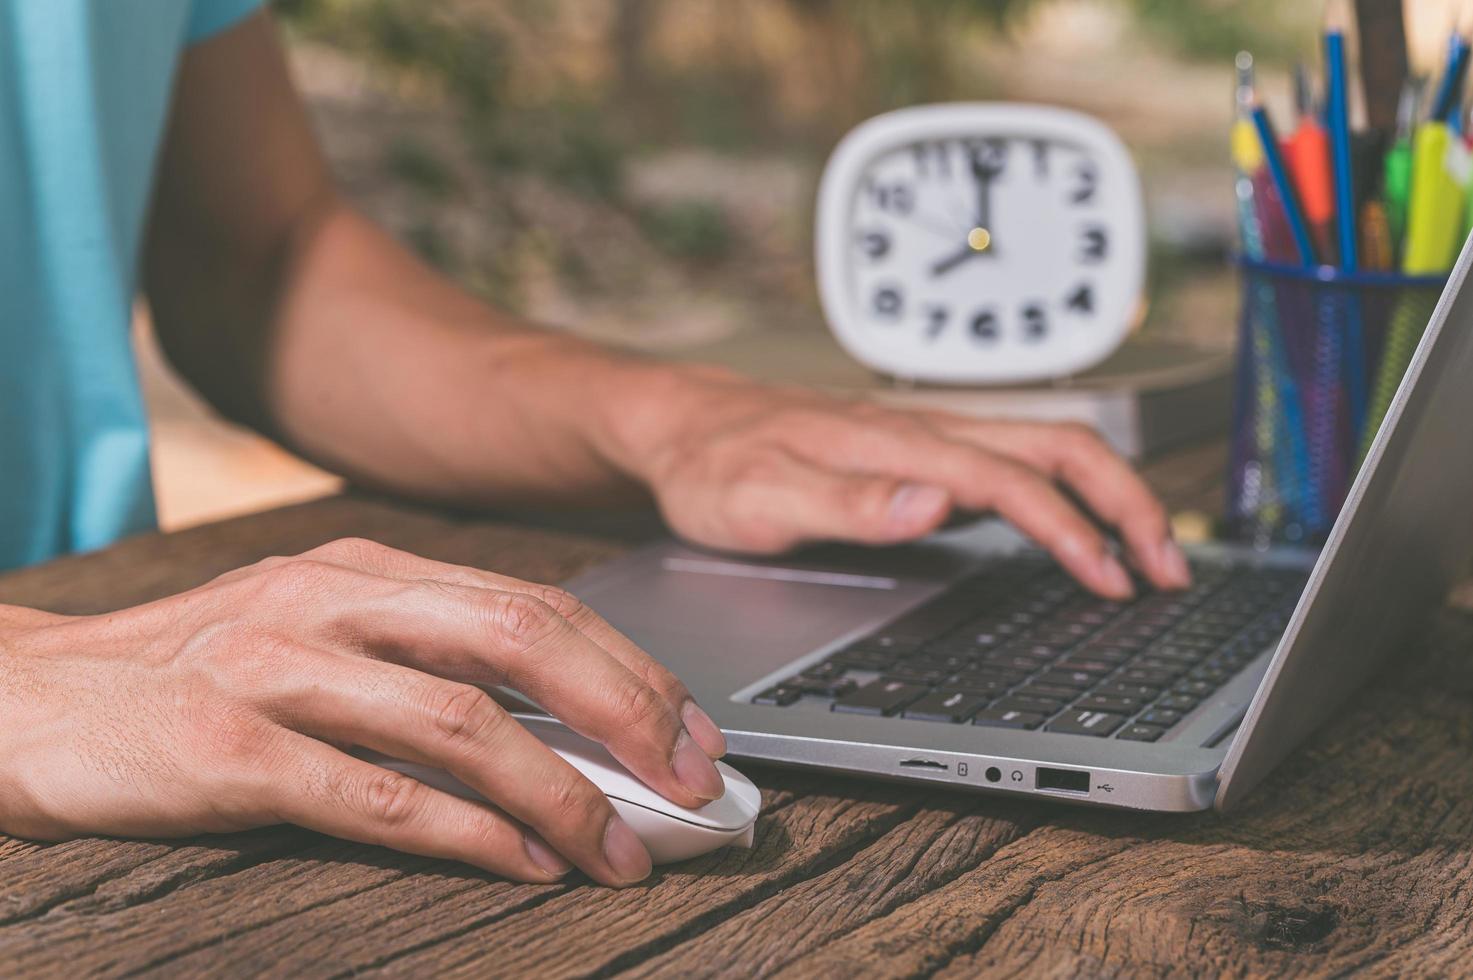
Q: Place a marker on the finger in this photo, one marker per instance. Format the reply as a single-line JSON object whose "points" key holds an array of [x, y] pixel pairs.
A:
{"points": [[981, 480], [389, 562], [322, 789], [1077, 456], [790, 501], [498, 638], [458, 728]]}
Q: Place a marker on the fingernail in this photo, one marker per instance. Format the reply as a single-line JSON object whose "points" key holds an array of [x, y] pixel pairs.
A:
{"points": [[624, 852], [695, 770], [703, 730], [545, 857], [1175, 564], [916, 504], [1115, 577]]}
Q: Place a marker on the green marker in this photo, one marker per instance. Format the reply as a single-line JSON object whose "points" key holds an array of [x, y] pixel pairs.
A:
{"points": [[1398, 172]]}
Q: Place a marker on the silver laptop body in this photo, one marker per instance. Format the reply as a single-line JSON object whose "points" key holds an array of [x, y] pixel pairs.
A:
{"points": [[731, 628]]}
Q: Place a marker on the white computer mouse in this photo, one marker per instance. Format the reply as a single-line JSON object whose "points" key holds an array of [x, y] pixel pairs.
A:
{"points": [[669, 832]]}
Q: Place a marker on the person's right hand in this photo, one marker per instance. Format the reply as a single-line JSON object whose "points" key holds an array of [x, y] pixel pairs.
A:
{"points": [[227, 707]]}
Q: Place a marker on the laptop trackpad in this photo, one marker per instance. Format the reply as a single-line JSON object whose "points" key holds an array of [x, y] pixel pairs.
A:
{"points": [[735, 621]]}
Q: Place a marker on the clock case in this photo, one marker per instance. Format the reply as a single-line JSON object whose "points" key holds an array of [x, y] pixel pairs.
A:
{"points": [[963, 120]]}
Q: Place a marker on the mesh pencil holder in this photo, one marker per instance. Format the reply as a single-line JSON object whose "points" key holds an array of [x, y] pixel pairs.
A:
{"points": [[1320, 354]]}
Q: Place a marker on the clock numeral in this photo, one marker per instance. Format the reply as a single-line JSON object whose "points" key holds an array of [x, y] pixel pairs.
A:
{"points": [[1040, 159], [1086, 183], [1082, 300], [985, 327], [888, 302], [874, 244], [1035, 322], [1095, 246], [932, 159], [989, 156], [895, 197], [936, 320]]}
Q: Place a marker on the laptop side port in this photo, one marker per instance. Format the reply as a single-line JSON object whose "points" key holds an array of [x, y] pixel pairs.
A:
{"points": [[1068, 780], [931, 764]]}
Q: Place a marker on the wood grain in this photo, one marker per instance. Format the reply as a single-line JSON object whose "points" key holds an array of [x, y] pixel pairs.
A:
{"points": [[1355, 855]]}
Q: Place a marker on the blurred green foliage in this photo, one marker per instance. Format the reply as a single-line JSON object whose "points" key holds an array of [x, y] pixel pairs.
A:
{"points": [[526, 106]]}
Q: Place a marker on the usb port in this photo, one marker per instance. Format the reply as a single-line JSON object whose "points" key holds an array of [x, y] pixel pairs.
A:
{"points": [[1069, 780]]}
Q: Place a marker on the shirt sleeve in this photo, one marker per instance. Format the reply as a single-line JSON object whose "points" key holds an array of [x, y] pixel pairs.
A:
{"points": [[210, 17]]}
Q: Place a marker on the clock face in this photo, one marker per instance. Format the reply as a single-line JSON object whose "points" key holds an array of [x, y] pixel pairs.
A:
{"points": [[981, 246]]}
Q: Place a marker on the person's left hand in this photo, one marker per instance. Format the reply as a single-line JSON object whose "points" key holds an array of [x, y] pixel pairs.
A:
{"points": [[749, 467]]}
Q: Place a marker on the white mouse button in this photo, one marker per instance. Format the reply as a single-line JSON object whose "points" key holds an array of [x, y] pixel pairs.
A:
{"points": [[736, 808]]}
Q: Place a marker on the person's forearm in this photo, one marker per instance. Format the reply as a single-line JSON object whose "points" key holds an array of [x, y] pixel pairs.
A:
{"points": [[380, 369]]}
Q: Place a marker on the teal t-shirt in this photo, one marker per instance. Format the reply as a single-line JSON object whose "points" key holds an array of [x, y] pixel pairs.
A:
{"points": [[84, 93]]}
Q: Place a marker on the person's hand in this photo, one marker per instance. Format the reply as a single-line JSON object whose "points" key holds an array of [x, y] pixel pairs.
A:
{"points": [[228, 707], [748, 467]]}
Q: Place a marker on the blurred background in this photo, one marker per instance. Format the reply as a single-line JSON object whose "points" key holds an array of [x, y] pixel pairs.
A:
{"points": [[643, 171]]}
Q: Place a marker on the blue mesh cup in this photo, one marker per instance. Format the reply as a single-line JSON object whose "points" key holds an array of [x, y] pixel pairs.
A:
{"points": [[1320, 355]]}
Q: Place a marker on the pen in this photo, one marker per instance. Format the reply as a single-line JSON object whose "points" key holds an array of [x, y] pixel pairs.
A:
{"points": [[1307, 152], [1435, 207], [1397, 173], [1338, 112], [1247, 159], [1279, 172], [1381, 30], [1450, 90]]}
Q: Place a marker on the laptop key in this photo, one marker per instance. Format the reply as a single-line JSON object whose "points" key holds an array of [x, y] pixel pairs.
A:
{"points": [[1066, 678], [988, 684], [1006, 718], [949, 706], [1077, 722], [1160, 716], [1141, 675], [827, 670], [860, 658], [923, 676], [828, 687], [1194, 689], [1054, 691], [1126, 689], [881, 697], [1106, 702], [1177, 702], [1026, 701], [1085, 665], [1141, 733], [779, 696]]}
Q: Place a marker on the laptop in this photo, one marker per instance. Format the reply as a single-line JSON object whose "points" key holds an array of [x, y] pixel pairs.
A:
{"points": [[970, 660]]}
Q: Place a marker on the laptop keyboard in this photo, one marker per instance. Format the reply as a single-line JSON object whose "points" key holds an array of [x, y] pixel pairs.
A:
{"points": [[1047, 655]]}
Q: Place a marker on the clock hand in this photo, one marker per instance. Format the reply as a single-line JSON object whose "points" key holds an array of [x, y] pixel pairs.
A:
{"points": [[979, 242], [983, 173], [952, 261]]}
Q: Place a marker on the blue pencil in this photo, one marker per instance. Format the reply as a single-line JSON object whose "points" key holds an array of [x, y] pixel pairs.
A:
{"points": [[1280, 174], [1338, 110], [1449, 91]]}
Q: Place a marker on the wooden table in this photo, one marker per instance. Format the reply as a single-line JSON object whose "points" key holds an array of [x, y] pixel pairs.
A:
{"points": [[1356, 854]]}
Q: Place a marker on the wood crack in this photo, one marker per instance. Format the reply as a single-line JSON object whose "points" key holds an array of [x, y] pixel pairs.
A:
{"points": [[708, 919]]}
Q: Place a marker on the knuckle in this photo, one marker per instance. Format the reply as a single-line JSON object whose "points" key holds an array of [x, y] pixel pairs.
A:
{"points": [[636, 705], [560, 601], [1081, 438], [350, 547], [236, 737], [574, 802], [392, 798], [297, 576], [523, 620], [463, 714]]}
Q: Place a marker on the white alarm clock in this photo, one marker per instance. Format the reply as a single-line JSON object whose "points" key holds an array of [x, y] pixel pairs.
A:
{"points": [[980, 242]]}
